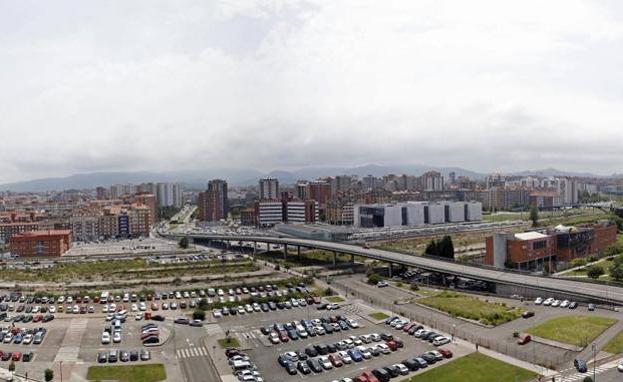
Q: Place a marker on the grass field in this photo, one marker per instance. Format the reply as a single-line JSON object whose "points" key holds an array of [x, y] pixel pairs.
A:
{"points": [[573, 330], [335, 299], [378, 315], [615, 345], [138, 373], [229, 343], [460, 305], [475, 367]]}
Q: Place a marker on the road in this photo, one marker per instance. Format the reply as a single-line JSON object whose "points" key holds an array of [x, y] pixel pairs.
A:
{"points": [[594, 292], [193, 356]]}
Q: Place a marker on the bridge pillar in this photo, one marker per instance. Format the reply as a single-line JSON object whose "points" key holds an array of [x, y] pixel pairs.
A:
{"points": [[390, 270], [298, 251], [334, 258], [254, 248], [352, 259], [285, 251]]}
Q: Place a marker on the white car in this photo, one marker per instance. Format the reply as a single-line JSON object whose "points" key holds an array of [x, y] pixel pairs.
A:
{"points": [[134, 308], [352, 323], [565, 304], [325, 363], [365, 352], [556, 303], [538, 301], [52, 309], [116, 337], [27, 339], [138, 317], [402, 368], [548, 301], [345, 357], [383, 348], [105, 338], [217, 313], [441, 340], [620, 367]]}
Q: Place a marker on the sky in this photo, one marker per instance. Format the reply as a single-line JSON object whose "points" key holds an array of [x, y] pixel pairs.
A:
{"points": [[171, 85]]}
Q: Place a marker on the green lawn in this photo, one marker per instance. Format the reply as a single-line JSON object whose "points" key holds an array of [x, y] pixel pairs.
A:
{"points": [[461, 305], [335, 299], [475, 367], [615, 346], [574, 330], [138, 373], [378, 315], [230, 342]]}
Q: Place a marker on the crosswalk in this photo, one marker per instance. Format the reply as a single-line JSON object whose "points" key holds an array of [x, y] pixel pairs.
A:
{"points": [[254, 334], [193, 351], [580, 376]]}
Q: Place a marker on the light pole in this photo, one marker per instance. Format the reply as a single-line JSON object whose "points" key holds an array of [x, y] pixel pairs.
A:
{"points": [[594, 347], [61, 369]]}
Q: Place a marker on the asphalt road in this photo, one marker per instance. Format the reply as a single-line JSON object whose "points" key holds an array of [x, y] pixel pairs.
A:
{"points": [[193, 356], [597, 292]]}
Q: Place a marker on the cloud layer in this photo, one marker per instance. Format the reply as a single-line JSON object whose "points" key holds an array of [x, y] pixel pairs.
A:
{"points": [[155, 85]]}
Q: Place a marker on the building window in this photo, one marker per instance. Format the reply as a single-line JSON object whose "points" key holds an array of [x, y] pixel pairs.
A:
{"points": [[539, 244]]}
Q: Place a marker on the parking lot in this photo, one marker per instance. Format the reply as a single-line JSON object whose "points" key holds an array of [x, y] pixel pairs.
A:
{"points": [[265, 355]]}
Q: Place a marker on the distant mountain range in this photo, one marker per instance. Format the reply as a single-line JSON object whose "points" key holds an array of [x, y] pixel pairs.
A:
{"points": [[242, 177]]}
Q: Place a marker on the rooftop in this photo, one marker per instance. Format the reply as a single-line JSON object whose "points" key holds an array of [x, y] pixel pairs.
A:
{"points": [[530, 236]]}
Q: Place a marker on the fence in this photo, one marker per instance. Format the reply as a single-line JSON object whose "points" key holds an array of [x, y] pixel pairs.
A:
{"points": [[531, 352]]}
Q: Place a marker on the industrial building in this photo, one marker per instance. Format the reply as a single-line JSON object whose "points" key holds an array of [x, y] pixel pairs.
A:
{"points": [[415, 213]]}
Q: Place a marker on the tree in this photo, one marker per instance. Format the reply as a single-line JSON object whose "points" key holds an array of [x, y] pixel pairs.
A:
{"points": [[616, 271], [184, 242], [587, 379], [374, 279], [447, 247], [48, 375], [578, 262], [199, 314], [534, 215], [594, 272]]}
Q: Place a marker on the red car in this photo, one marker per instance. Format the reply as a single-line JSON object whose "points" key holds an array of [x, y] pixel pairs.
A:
{"points": [[335, 360], [283, 336], [366, 377], [409, 326], [445, 353], [16, 356], [393, 346]]}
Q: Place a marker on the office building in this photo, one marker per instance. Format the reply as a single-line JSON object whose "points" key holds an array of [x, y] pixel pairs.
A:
{"points": [[169, 195], [412, 214], [537, 250], [269, 189], [301, 212], [40, 243], [212, 203], [269, 212]]}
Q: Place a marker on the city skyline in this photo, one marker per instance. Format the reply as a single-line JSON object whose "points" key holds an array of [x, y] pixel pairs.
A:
{"points": [[126, 87]]}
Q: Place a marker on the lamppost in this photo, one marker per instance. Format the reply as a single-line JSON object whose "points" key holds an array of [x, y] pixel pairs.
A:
{"points": [[594, 347], [61, 369]]}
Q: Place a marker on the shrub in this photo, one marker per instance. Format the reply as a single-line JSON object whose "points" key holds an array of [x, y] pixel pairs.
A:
{"points": [[48, 375], [374, 278], [199, 314]]}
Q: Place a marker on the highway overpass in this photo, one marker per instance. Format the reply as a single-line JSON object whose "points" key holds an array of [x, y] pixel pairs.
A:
{"points": [[522, 283]]}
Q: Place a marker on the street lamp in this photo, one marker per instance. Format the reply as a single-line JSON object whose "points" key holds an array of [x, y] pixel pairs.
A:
{"points": [[594, 347]]}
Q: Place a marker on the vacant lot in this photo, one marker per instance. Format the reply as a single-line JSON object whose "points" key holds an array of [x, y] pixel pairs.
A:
{"points": [[460, 305], [615, 346], [475, 367], [139, 373], [229, 343], [574, 330], [378, 315]]}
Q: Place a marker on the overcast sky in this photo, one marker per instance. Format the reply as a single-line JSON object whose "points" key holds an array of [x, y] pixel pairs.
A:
{"points": [[164, 85]]}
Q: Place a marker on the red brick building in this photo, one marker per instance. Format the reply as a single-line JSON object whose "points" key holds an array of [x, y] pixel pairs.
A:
{"points": [[532, 250], [40, 243]]}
